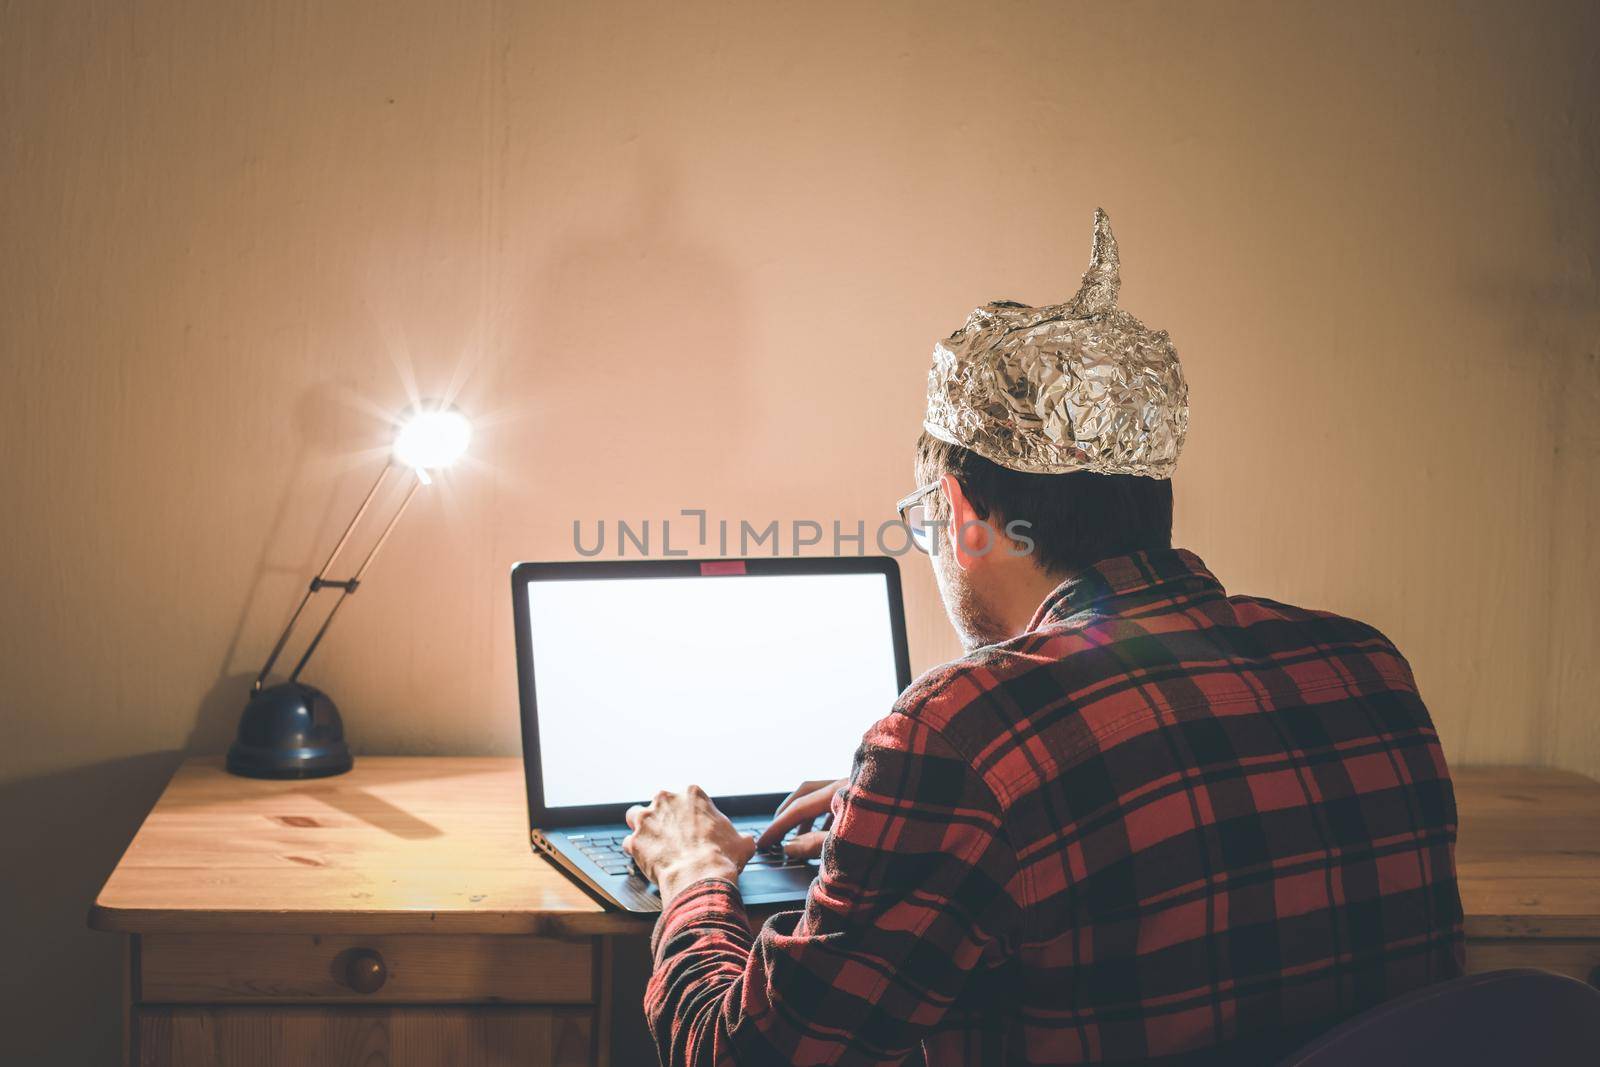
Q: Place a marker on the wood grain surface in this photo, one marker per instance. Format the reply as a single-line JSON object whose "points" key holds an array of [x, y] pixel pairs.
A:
{"points": [[439, 845], [398, 845]]}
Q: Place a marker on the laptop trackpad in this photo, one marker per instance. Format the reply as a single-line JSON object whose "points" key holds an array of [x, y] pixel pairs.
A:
{"points": [[789, 883]]}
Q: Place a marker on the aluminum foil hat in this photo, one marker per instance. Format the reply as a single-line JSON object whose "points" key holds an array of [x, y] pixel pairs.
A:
{"points": [[1080, 386]]}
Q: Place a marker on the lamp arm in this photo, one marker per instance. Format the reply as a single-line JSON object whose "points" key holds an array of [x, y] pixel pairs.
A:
{"points": [[322, 581], [349, 586]]}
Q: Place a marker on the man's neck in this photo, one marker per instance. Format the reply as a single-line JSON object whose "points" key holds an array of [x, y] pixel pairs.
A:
{"points": [[1018, 592]]}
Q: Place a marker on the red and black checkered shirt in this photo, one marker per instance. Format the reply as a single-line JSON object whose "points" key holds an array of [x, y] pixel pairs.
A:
{"points": [[1162, 823]]}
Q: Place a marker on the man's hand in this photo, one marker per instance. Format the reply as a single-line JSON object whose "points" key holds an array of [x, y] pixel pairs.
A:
{"points": [[802, 808], [680, 838]]}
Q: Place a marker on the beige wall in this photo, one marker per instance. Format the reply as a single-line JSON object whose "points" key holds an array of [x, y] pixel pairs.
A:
{"points": [[696, 255]]}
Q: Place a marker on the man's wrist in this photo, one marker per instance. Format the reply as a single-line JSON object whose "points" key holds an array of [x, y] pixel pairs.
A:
{"points": [[679, 875]]}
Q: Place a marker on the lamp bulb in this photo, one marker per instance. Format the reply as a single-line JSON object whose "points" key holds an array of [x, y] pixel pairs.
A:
{"points": [[430, 438]]}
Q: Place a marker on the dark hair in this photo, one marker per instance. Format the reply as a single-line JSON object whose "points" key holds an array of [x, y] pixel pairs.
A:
{"points": [[1076, 519]]}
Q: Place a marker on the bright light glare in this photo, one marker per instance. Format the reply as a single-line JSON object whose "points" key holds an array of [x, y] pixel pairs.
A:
{"points": [[432, 438]]}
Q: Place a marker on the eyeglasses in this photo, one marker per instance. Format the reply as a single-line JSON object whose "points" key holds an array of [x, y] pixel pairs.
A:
{"points": [[917, 516]]}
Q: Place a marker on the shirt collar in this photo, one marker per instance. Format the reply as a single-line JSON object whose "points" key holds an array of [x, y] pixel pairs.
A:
{"points": [[1120, 583]]}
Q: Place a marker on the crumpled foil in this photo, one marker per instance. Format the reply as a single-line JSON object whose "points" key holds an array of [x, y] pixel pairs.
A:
{"points": [[1077, 386]]}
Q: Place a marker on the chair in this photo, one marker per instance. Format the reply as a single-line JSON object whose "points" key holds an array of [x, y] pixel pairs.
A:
{"points": [[1525, 1018]]}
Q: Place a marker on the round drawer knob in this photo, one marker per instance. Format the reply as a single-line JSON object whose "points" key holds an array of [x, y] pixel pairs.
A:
{"points": [[365, 972]]}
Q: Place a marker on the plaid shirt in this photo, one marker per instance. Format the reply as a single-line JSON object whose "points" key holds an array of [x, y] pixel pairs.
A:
{"points": [[1162, 823]]}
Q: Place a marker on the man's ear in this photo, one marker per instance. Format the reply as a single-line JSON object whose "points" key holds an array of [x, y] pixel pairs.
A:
{"points": [[970, 537]]}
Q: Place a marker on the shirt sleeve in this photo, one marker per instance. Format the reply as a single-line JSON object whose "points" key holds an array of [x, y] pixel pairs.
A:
{"points": [[914, 887]]}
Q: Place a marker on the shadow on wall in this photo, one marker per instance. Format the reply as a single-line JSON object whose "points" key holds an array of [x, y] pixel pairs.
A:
{"points": [[641, 348], [286, 562], [61, 983]]}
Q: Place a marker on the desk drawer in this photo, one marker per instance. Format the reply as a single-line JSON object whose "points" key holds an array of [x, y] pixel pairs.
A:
{"points": [[402, 969]]}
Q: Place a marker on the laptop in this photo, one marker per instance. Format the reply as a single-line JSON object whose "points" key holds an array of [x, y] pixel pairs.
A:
{"points": [[743, 676]]}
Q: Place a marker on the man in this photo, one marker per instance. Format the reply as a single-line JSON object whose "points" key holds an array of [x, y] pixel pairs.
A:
{"points": [[1140, 821]]}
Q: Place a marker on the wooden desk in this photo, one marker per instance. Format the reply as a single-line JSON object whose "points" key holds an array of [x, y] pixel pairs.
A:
{"points": [[1528, 857], [259, 913]]}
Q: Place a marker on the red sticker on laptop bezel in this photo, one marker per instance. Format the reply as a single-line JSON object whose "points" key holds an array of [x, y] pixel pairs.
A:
{"points": [[722, 566]]}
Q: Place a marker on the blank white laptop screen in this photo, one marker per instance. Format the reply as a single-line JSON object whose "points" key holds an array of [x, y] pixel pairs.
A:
{"points": [[741, 685]]}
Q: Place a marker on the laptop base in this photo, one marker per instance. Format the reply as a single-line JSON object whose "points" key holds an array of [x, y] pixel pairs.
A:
{"points": [[766, 880]]}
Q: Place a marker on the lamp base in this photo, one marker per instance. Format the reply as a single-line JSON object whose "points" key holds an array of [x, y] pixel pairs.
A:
{"points": [[290, 730]]}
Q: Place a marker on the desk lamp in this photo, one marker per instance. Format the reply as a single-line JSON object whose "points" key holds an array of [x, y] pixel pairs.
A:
{"points": [[293, 730]]}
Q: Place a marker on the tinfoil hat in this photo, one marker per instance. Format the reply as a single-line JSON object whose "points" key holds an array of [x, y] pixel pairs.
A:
{"points": [[1077, 386]]}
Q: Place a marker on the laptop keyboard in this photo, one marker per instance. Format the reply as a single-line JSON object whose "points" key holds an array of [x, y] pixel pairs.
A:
{"points": [[605, 850]]}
